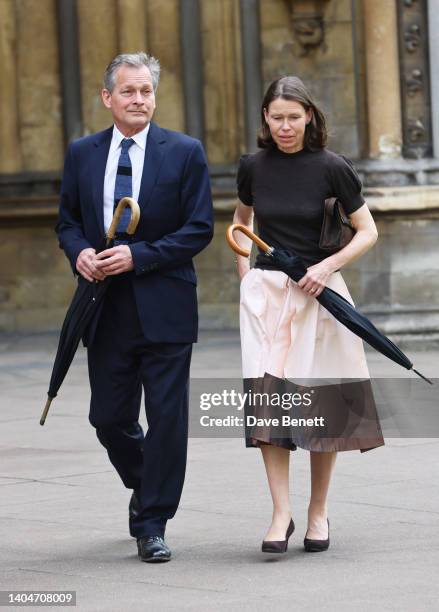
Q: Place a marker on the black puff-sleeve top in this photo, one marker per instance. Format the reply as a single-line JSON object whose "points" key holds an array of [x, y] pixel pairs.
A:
{"points": [[288, 192]]}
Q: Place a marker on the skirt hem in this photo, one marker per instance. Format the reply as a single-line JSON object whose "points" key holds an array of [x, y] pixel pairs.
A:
{"points": [[333, 446]]}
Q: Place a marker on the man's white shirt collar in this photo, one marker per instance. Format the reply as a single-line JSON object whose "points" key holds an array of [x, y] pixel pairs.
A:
{"points": [[139, 138]]}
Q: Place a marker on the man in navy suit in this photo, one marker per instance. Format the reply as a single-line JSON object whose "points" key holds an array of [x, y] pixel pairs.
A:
{"points": [[144, 333]]}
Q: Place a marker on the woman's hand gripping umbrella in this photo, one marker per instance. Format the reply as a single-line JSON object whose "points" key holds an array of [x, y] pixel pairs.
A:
{"points": [[337, 305], [88, 296]]}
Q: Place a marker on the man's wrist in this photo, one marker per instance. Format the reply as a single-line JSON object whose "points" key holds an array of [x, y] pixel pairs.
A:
{"points": [[139, 266]]}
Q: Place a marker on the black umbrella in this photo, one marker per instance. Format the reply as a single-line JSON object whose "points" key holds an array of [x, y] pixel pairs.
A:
{"points": [[86, 300], [336, 304]]}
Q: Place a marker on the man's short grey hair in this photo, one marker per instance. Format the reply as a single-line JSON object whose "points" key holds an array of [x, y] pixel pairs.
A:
{"points": [[136, 60]]}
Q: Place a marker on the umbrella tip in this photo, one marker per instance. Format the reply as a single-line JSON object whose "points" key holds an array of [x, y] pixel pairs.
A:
{"points": [[46, 410], [422, 376]]}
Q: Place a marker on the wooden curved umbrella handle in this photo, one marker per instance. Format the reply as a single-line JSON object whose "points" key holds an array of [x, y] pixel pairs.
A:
{"points": [[135, 216], [235, 246]]}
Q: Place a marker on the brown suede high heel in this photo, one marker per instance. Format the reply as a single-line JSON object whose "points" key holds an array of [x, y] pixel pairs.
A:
{"points": [[316, 545], [278, 546]]}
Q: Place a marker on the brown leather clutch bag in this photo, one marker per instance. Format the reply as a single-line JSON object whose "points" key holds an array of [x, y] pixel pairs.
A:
{"points": [[337, 230]]}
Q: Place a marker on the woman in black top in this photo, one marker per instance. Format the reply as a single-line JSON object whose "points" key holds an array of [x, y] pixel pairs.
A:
{"points": [[284, 330]]}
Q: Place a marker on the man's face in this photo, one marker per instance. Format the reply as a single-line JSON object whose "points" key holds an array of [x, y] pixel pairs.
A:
{"points": [[132, 101]]}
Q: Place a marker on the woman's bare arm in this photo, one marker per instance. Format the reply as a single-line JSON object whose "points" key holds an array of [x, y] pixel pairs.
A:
{"points": [[366, 234], [244, 216], [365, 237]]}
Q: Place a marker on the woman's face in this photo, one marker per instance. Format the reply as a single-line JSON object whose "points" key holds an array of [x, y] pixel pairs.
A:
{"points": [[287, 120]]}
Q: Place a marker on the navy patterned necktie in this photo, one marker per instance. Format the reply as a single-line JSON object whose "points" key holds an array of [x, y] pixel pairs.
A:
{"points": [[124, 184]]}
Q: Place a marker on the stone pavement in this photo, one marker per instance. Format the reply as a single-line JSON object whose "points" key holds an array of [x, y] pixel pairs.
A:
{"points": [[63, 512]]}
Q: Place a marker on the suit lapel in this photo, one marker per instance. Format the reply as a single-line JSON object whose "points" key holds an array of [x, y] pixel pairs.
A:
{"points": [[154, 154], [102, 144]]}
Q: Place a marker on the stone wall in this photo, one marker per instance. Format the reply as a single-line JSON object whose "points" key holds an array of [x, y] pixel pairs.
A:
{"points": [[330, 71], [31, 125], [31, 133], [30, 96], [397, 281], [36, 281]]}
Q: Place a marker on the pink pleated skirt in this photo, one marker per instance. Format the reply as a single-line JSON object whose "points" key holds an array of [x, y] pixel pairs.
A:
{"points": [[287, 334]]}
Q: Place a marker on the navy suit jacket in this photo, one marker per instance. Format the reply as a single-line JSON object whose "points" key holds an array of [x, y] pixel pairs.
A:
{"points": [[176, 223]]}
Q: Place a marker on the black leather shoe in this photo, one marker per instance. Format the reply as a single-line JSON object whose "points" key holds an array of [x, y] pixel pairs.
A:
{"points": [[278, 546], [316, 545], [133, 511], [153, 549]]}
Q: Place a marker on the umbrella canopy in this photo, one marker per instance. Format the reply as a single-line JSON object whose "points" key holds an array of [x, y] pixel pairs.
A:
{"points": [[85, 303], [336, 304]]}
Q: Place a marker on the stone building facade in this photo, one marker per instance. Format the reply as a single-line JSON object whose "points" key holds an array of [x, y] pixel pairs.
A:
{"points": [[371, 64]]}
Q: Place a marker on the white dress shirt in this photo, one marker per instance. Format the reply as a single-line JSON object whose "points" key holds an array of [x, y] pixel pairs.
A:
{"points": [[137, 157]]}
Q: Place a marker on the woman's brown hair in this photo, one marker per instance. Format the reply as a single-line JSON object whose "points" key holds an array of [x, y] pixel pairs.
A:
{"points": [[292, 88]]}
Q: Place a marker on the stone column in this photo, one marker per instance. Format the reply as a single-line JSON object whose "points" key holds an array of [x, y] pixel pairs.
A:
{"points": [[433, 27], [251, 51], [192, 54], [163, 35], [132, 25], [70, 69], [39, 87], [383, 78], [98, 45], [10, 154], [224, 112]]}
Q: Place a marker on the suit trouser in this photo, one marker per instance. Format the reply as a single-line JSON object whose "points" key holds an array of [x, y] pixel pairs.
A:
{"points": [[121, 361]]}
